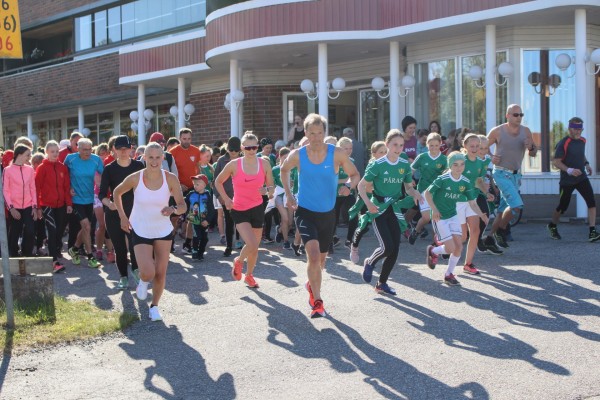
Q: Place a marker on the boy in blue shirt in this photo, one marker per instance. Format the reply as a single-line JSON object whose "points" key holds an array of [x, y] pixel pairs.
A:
{"points": [[201, 210]]}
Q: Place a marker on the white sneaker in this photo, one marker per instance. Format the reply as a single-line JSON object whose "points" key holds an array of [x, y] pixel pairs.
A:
{"points": [[354, 256], [154, 314], [142, 290]]}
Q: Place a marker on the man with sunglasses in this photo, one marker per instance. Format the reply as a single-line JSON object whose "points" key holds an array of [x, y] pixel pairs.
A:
{"points": [[511, 140], [569, 158]]}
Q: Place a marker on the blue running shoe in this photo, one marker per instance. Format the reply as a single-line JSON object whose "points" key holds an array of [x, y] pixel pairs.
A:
{"points": [[368, 272], [384, 287]]}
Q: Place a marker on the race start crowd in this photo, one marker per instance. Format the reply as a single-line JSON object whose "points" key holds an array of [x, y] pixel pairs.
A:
{"points": [[133, 202]]}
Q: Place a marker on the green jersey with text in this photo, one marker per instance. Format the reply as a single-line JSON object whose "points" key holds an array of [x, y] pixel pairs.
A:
{"points": [[430, 168], [388, 178], [473, 171], [447, 191], [293, 178]]}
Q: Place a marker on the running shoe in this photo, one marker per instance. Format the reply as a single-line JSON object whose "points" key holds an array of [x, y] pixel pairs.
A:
{"points": [[279, 236], [123, 283], [99, 255], [311, 298], [74, 253], [110, 257], [302, 249], [491, 248], [57, 267], [553, 229], [93, 263], [154, 314], [136, 276], [186, 248], [500, 240], [318, 310], [227, 252], [287, 246], [594, 236], [296, 248], [336, 241], [451, 280], [195, 254], [142, 290], [239, 245], [267, 240], [407, 233], [470, 269], [412, 238], [348, 244], [223, 240], [249, 279], [432, 259], [384, 288], [354, 255], [236, 270], [481, 247], [367, 274]]}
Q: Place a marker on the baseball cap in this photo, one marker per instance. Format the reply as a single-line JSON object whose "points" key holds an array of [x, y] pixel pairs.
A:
{"points": [[157, 137], [122, 141], [234, 144], [201, 177]]}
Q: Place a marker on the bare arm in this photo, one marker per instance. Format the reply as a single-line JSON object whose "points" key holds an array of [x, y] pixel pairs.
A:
{"points": [[493, 139], [175, 189], [130, 183], [291, 162], [363, 185], [561, 165], [343, 161], [435, 213], [529, 144], [475, 207], [269, 181], [410, 189], [225, 174]]}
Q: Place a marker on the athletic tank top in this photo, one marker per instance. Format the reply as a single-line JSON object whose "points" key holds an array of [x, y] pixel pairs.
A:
{"points": [[146, 218], [298, 134], [318, 183], [246, 187], [511, 149]]}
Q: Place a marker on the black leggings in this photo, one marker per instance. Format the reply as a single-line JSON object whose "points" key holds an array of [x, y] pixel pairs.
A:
{"points": [[21, 227], [388, 233], [483, 206], [228, 227], [200, 239], [56, 220], [121, 240]]}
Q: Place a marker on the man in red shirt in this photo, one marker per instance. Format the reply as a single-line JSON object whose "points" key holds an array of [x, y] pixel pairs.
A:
{"points": [[187, 159], [71, 148]]}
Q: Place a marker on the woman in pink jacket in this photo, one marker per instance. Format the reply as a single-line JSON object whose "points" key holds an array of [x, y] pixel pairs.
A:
{"points": [[21, 200]]}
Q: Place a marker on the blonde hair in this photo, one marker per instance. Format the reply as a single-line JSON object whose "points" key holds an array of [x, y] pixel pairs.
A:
{"points": [[37, 158], [483, 140], [51, 143], [24, 140], [315, 119], [151, 146], [467, 138], [344, 140], [393, 134], [434, 136], [102, 147], [375, 148], [283, 151], [331, 139], [248, 135]]}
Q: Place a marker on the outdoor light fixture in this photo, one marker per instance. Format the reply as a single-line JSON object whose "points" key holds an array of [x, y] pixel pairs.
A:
{"points": [[308, 87], [237, 96], [505, 70], [406, 84], [594, 60], [134, 116], [548, 84], [188, 110], [86, 132], [564, 61]]}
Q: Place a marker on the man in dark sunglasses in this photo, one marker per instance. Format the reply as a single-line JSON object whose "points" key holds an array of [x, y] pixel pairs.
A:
{"points": [[512, 139]]}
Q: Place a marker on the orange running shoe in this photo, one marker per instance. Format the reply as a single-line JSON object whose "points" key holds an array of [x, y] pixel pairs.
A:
{"points": [[318, 310], [236, 270], [249, 279]]}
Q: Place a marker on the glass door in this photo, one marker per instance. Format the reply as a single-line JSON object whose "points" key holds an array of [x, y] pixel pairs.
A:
{"points": [[374, 117]]}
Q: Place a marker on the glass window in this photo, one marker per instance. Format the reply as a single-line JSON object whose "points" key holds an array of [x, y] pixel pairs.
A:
{"points": [[83, 33], [127, 21], [90, 121], [374, 117], [100, 29], [297, 104], [55, 130], [106, 126], [562, 103], [114, 25], [435, 94], [126, 126]]}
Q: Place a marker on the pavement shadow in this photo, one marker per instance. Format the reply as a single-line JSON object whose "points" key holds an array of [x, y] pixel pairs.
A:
{"points": [[88, 283], [459, 334], [180, 365], [6, 355], [389, 376]]}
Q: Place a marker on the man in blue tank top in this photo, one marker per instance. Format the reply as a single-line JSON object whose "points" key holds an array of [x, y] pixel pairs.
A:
{"points": [[318, 165], [511, 140]]}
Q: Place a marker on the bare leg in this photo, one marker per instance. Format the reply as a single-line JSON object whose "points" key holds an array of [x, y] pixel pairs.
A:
{"points": [[249, 252], [316, 261], [473, 225]]}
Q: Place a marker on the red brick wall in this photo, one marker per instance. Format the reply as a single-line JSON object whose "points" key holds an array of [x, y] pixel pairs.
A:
{"points": [[34, 10], [263, 110], [72, 81]]}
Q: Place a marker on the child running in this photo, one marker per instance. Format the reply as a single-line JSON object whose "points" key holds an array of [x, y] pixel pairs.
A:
{"points": [[443, 195], [484, 200], [200, 212]]}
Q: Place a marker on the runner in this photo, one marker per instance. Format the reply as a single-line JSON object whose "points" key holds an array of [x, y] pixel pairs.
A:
{"points": [[150, 223], [388, 175], [318, 165], [442, 196], [249, 174]]}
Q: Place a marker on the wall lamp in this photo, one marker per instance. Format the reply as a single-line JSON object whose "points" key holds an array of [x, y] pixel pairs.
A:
{"points": [[134, 116], [505, 70], [548, 84], [406, 84], [188, 110], [564, 61], [308, 87], [237, 96]]}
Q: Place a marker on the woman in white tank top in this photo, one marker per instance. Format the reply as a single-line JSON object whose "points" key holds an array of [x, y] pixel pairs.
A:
{"points": [[150, 221]]}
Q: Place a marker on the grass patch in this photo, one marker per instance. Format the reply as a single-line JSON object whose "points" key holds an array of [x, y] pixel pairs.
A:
{"points": [[42, 325]]}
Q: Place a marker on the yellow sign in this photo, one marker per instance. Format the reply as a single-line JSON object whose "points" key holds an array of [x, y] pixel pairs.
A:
{"points": [[10, 30]]}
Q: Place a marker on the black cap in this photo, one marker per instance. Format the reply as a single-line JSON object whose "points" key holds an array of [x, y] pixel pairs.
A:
{"points": [[122, 141], [234, 144]]}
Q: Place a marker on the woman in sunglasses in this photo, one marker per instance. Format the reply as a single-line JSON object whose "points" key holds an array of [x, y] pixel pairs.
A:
{"points": [[252, 178]]}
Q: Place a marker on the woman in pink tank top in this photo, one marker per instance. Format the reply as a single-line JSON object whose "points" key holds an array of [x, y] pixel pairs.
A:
{"points": [[252, 178], [150, 220]]}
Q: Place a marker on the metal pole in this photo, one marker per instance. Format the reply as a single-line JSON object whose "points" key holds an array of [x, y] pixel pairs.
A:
{"points": [[8, 295]]}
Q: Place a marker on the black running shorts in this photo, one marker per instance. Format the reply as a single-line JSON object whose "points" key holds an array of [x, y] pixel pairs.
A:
{"points": [[319, 226]]}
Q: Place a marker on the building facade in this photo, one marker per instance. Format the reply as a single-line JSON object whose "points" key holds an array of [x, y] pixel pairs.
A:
{"points": [[238, 65]]}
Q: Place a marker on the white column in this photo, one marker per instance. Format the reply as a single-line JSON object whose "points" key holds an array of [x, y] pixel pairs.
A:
{"points": [[322, 81], [29, 126], [490, 77], [180, 105], [582, 95], [141, 106], [233, 85], [80, 120], [241, 106], [394, 82]]}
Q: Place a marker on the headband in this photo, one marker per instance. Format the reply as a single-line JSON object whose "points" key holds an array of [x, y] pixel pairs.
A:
{"points": [[575, 125]]}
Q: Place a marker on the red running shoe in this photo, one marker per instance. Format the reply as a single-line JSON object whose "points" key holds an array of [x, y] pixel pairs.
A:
{"points": [[432, 259], [249, 279], [318, 310], [236, 270], [470, 269]]}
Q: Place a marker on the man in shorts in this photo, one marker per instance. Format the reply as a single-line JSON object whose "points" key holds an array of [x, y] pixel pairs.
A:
{"points": [[511, 140], [83, 167], [318, 165], [569, 158]]}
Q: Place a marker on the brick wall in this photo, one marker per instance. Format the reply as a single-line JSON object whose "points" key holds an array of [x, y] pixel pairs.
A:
{"points": [[34, 10], [263, 110], [63, 83]]}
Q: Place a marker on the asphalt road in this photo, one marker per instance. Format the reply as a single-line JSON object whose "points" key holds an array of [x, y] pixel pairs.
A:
{"points": [[527, 328]]}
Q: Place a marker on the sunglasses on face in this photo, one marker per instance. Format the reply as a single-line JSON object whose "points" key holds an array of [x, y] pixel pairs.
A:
{"points": [[517, 115], [250, 147]]}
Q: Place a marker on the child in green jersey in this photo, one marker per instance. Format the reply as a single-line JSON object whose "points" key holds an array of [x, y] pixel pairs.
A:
{"points": [[387, 175], [443, 195], [430, 165]]}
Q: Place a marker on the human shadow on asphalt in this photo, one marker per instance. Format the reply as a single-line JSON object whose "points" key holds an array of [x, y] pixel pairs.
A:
{"points": [[180, 365], [6, 355], [459, 334], [390, 376], [88, 283]]}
